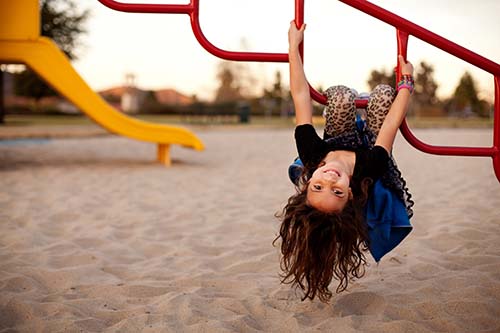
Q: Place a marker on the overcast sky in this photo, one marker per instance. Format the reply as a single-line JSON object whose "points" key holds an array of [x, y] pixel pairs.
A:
{"points": [[342, 45]]}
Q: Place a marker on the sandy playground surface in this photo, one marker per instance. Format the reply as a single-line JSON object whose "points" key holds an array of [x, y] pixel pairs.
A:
{"points": [[97, 237]]}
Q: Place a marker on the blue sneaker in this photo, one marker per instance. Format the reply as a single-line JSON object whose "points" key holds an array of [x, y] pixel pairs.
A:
{"points": [[295, 170]]}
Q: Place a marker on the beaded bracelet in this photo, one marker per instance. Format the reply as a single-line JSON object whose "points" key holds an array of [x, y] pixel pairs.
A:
{"points": [[406, 83], [405, 86]]}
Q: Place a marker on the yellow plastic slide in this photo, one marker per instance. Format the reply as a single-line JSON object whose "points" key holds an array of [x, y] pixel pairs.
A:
{"points": [[20, 42]]}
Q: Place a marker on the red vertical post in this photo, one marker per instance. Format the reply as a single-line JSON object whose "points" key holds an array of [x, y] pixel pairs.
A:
{"points": [[402, 48], [299, 20], [404, 29], [402, 44], [496, 129]]}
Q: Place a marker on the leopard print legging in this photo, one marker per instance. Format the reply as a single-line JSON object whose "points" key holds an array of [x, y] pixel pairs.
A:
{"points": [[340, 112], [340, 129]]}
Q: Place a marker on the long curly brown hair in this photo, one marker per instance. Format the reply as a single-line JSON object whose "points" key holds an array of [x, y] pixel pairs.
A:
{"points": [[317, 247]]}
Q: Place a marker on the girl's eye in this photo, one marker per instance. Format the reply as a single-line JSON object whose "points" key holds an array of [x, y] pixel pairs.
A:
{"points": [[338, 192], [317, 187]]}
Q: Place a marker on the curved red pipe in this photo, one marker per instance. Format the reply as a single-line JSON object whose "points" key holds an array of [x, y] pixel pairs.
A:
{"points": [[404, 29], [147, 7], [425, 35], [229, 55]]}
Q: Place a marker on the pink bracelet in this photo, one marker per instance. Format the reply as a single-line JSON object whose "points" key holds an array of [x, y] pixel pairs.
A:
{"points": [[406, 83], [406, 86]]}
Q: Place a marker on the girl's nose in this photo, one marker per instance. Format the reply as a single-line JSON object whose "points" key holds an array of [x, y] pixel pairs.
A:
{"points": [[331, 177]]}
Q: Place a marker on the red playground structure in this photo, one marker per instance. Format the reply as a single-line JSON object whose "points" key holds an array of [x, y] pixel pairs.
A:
{"points": [[404, 29]]}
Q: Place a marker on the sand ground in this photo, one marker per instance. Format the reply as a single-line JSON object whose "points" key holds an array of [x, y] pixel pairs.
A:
{"points": [[97, 237]]}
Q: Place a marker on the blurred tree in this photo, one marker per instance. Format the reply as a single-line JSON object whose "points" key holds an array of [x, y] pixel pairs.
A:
{"points": [[229, 89], [277, 91], [62, 21], [245, 73], [273, 98], [150, 103], [425, 85], [381, 77], [236, 79], [465, 99]]}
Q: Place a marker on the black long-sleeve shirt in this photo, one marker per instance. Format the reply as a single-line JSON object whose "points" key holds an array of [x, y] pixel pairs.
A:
{"points": [[370, 162]]}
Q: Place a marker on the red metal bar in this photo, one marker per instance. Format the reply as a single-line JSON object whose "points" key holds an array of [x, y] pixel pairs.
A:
{"points": [[192, 9], [496, 128], [148, 8], [404, 29], [425, 35], [320, 98], [299, 20], [229, 55], [402, 45]]}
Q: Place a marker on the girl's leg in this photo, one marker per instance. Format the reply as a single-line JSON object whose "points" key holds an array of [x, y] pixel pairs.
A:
{"points": [[340, 112], [381, 99]]}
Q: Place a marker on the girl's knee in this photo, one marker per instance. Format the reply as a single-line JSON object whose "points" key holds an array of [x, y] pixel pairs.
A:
{"points": [[338, 91], [382, 86], [340, 94], [340, 110], [384, 91]]}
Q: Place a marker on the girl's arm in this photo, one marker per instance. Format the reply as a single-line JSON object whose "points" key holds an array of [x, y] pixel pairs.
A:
{"points": [[299, 87], [396, 113]]}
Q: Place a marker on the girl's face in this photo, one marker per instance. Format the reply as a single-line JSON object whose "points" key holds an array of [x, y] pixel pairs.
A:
{"points": [[328, 189]]}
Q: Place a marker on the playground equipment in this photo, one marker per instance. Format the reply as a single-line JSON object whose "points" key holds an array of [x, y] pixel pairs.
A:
{"points": [[20, 42], [404, 29]]}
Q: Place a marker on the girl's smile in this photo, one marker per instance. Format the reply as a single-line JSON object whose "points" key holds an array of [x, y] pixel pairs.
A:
{"points": [[328, 189], [332, 171]]}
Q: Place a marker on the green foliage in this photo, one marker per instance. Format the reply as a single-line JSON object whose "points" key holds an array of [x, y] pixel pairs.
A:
{"points": [[381, 77], [425, 85], [466, 92], [277, 91], [27, 83], [465, 99], [62, 21], [150, 104], [229, 89], [273, 98], [464, 102]]}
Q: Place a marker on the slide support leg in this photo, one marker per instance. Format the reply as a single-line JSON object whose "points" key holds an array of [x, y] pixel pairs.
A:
{"points": [[163, 155]]}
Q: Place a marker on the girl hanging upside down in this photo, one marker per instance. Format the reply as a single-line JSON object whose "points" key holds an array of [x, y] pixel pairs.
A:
{"points": [[350, 195]]}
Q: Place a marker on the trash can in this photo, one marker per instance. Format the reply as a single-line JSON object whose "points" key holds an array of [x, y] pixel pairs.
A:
{"points": [[244, 113]]}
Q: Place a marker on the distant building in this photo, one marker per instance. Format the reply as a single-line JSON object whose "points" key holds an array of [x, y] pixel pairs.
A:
{"points": [[172, 97], [131, 99], [124, 98], [127, 98]]}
